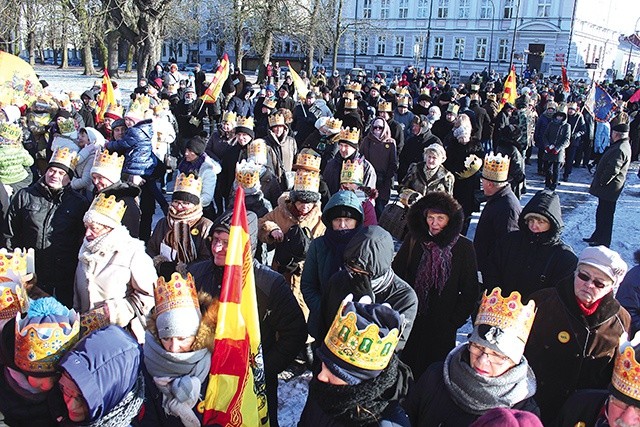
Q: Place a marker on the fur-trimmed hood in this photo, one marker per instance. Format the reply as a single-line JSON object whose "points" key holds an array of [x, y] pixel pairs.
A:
{"points": [[417, 219]]}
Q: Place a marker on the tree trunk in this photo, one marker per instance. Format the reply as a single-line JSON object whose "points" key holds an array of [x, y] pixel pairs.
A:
{"points": [[32, 47], [130, 55], [239, 53], [87, 59], [112, 53], [149, 50], [266, 56], [310, 54], [337, 36], [103, 52], [64, 61]]}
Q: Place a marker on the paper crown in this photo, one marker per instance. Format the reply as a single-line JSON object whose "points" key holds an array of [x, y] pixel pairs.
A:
{"points": [[496, 167], [74, 96], [276, 119], [475, 88], [109, 207], [352, 172], [626, 370], [229, 116], [10, 133], [376, 86], [66, 125], [104, 159], [257, 151], [425, 91], [306, 180], [308, 159], [19, 262], [139, 106], [114, 112], [16, 269], [353, 87], [362, 348], [472, 164], [333, 124], [453, 108], [179, 292], [507, 313], [270, 103], [245, 122], [247, 173], [63, 100], [403, 101], [403, 91], [65, 157], [385, 107], [350, 104], [408, 197], [93, 320], [348, 95], [350, 134], [491, 96], [13, 299], [188, 184]]}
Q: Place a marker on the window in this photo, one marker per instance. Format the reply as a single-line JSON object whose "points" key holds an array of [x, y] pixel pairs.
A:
{"points": [[384, 9], [438, 47], [399, 45], [366, 10], [363, 46], [481, 48], [544, 8], [419, 41], [403, 10], [382, 48], [463, 11], [423, 8], [458, 48], [503, 49], [209, 44], [443, 8], [586, 57], [508, 9], [485, 9]]}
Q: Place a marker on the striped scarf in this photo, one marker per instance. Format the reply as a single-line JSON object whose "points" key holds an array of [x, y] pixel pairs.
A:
{"points": [[179, 235]]}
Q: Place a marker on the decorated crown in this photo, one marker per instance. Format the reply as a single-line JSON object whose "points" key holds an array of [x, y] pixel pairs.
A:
{"points": [[270, 103], [63, 100], [245, 122], [626, 371], [350, 134], [496, 167], [65, 157], [472, 164], [365, 348], [350, 104], [109, 207], [139, 106], [353, 87], [385, 107], [333, 124], [257, 151], [74, 96], [19, 262], [376, 86], [348, 95], [114, 111], [247, 173], [10, 132], [475, 88], [403, 91], [103, 159], [179, 292], [507, 313], [409, 197], [66, 125], [13, 299], [276, 119], [229, 116], [425, 91], [453, 108], [308, 159], [93, 320], [403, 101], [352, 172], [188, 184], [306, 180]]}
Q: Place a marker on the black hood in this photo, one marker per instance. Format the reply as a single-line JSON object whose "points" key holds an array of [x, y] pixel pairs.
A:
{"points": [[122, 189], [417, 219], [372, 249], [547, 204]]}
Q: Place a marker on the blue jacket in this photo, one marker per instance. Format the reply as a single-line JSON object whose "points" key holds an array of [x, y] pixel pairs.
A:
{"points": [[137, 149], [629, 296]]}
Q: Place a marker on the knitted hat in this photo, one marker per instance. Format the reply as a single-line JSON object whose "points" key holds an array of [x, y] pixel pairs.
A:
{"points": [[177, 308], [107, 211], [108, 165], [438, 149], [503, 417], [245, 125], [349, 207], [197, 145], [605, 260]]}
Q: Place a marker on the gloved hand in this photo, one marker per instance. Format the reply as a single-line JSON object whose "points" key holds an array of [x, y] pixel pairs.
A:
{"points": [[555, 152], [360, 284], [547, 149]]}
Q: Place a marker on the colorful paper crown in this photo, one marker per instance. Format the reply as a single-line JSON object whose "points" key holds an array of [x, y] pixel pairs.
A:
{"points": [[257, 151], [402, 92], [276, 119], [365, 348], [188, 184], [229, 116], [93, 320], [179, 292], [403, 101], [245, 122], [350, 134], [348, 95], [496, 167], [350, 104], [333, 124], [247, 173], [104, 159], [507, 314], [270, 103], [10, 133], [13, 299], [352, 172], [626, 371], [453, 108], [19, 262], [109, 207], [353, 87], [65, 157], [66, 125], [472, 164], [306, 180], [385, 107], [139, 106], [16, 268], [308, 159], [114, 112], [425, 91]]}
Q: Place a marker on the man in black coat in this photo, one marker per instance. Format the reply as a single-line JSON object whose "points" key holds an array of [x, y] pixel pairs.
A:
{"points": [[199, 78]]}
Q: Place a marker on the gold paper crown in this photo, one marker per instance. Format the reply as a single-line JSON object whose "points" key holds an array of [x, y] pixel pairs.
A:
{"points": [[39, 347], [179, 292], [306, 180], [403, 101], [409, 197], [472, 164], [403, 91], [188, 184], [385, 107], [13, 300], [105, 160], [333, 124], [352, 172], [308, 159], [66, 125], [364, 349], [19, 262], [453, 108], [74, 96], [348, 95], [270, 103], [491, 96], [109, 207], [247, 173], [376, 86], [65, 157], [353, 87], [507, 313], [115, 110], [496, 167], [245, 122], [10, 132], [350, 134], [425, 91], [63, 100], [93, 320], [229, 116], [626, 371], [257, 151], [350, 104], [276, 119], [139, 106]]}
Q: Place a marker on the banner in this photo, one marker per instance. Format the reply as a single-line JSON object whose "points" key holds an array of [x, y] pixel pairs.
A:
{"points": [[212, 93], [106, 97], [603, 105], [236, 394], [301, 87], [565, 80], [19, 84], [509, 93]]}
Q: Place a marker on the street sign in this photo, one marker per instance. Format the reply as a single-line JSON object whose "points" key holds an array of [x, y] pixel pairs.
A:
{"points": [[559, 57], [591, 66]]}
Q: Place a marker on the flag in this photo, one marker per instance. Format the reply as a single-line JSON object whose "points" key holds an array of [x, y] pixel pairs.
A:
{"points": [[212, 93], [635, 97], [603, 105], [509, 93], [106, 97], [19, 84], [301, 87], [236, 394], [565, 80]]}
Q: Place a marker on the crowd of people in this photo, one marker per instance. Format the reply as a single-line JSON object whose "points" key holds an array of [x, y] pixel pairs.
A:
{"points": [[359, 199]]}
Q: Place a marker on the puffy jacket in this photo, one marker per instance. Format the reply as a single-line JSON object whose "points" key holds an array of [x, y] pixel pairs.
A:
{"points": [[136, 146], [14, 162]]}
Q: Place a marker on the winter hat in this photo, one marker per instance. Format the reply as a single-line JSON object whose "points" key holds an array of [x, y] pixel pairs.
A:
{"points": [[64, 159], [503, 417], [177, 308], [95, 137], [621, 127], [12, 112], [189, 90], [245, 125], [270, 87], [108, 165], [223, 223], [306, 186], [605, 260], [197, 145], [188, 188], [343, 204], [107, 211], [438, 149]]}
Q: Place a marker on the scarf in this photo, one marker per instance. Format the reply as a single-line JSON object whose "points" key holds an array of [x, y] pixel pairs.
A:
{"points": [[337, 241], [108, 243], [476, 394], [429, 173], [125, 411], [588, 311], [434, 270], [20, 384], [178, 236], [192, 167]]}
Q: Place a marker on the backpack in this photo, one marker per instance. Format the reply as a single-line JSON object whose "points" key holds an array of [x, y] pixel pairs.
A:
{"points": [[293, 249]]}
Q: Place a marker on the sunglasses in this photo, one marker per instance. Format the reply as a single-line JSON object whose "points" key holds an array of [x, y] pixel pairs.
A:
{"points": [[586, 278], [377, 127]]}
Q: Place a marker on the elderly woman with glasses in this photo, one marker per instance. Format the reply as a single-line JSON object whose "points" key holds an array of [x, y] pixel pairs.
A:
{"points": [[488, 372], [577, 329]]}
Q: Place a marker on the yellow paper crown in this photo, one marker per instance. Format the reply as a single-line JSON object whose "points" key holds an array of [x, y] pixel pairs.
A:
{"points": [[403, 101], [105, 160], [496, 167], [74, 96], [109, 207], [276, 119], [353, 87], [229, 116], [308, 159], [365, 348], [10, 132], [507, 313], [475, 88], [65, 157], [139, 106], [66, 125], [348, 95], [425, 91], [403, 91], [376, 86], [114, 110], [257, 151], [245, 122], [247, 173], [472, 164], [188, 184], [19, 262], [13, 300], [352, 172], [409, 197], [350, 104], [333, 124], [453, 108], [350, 134], [385, 107], [270, 103], [626, 371], [179, 292], [306, 180]]}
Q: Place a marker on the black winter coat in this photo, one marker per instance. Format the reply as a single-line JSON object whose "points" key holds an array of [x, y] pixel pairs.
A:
{"points": [[611, 172], [413, 151], [584, 407]]}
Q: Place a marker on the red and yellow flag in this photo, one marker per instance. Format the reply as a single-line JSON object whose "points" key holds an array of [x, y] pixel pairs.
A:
{"points": [[106, 96], [565, 80], [222, 74], [301, 87], [236, 394], [509, 93]]}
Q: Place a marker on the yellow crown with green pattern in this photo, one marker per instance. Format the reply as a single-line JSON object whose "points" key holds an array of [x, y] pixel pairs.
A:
{"points": [[248, 173], [109, 207], [179, 292], [626, 371], [352, 172], [507, 313], [276, 119], [65, 157], [257, 151], [104, 159], [246, 122], [385, 107], [139, 106], [308, 159], [353, 87], [66, 125], [333, 124], [496, 167], [362, 348], [188, 184], [10, 132], [229, 116]]}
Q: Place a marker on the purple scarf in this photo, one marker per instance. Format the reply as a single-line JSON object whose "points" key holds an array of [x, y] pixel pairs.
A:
{"points": [[191, 167], [434, 270]]}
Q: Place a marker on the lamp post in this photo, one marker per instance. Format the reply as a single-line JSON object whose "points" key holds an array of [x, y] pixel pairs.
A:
{"points": [[426, 57], [355, 38], [635, 27], [493, 16], [515, 27]]}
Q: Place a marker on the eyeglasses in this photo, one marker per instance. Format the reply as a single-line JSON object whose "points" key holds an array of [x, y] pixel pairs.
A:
{"points": [[216, 241], [622, 406], [377, 127], [494, 359], [586, 278]]}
